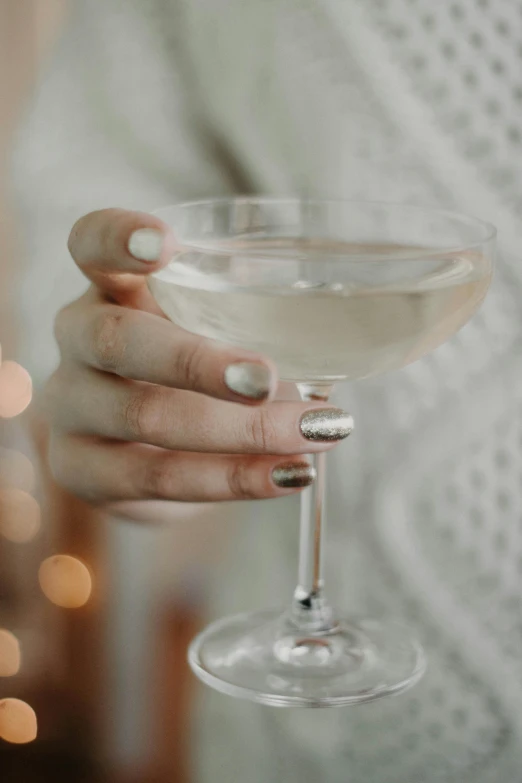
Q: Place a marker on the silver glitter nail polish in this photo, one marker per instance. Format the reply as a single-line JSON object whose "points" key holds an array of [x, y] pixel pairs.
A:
{"points": [[248, 379], [293, 474], [326, 424]]}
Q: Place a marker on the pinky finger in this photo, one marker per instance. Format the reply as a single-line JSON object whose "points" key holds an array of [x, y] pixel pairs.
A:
{"points": [[104, 472]]}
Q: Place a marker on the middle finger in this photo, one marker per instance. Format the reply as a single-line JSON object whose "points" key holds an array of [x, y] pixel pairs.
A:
{"points": [[105, 405]]}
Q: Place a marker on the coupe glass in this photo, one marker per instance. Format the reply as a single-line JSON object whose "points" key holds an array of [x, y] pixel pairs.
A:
{"points": [[332, 291]]}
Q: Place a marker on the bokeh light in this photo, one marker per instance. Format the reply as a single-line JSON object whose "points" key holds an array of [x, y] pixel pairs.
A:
{"points": [[16, 389], [18, 722], [19, 515], [65, 581], [16, 470], [9, 654]]}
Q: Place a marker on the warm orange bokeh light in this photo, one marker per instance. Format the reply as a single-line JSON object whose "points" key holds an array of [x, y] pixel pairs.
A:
{"points": [[16, 389], [9, 654], [65, 581], [16, 470], [17, 721], [19, 515]]}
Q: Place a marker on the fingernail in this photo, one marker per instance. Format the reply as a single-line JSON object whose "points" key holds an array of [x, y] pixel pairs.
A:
{"points": [[248, 379], [146, 244], [326, 424], [293, 474]]}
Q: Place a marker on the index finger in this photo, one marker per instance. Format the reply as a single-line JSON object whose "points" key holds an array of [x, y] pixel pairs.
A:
{"points": [[116, 248]]}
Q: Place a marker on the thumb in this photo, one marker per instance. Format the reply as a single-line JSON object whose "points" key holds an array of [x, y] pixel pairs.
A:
{"points": [[116, 249]]}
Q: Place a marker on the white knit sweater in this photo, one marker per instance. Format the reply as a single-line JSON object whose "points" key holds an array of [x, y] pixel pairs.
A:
{"points": [[409, 100]]}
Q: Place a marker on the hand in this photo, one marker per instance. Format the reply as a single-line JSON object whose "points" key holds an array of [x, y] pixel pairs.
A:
{"points": [[141, 409]]}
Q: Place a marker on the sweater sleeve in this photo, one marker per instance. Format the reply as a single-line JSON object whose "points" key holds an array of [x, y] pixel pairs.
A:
{"points": [[114, 121]]}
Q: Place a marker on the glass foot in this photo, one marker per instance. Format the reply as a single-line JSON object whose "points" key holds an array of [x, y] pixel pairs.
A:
{"points": [[263, 657]]}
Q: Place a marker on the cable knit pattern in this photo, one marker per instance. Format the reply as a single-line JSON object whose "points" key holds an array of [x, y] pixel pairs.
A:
{"points": [[408, 100]]}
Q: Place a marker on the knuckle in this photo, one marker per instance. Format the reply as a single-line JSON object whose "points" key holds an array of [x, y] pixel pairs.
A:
{"points": [[189, 365], [240, 480], [143, 414], [262, 430], [108, 340], [157, 480]]}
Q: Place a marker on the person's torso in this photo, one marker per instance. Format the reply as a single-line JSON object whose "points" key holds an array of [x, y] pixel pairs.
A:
{"points": [[426, 518]]}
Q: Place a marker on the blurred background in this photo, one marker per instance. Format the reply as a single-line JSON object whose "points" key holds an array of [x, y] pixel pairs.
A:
{"points": [[95, 618], [70, 709]]}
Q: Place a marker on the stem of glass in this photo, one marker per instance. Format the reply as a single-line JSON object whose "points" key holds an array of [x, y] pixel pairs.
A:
{"points": [[310, 610]]}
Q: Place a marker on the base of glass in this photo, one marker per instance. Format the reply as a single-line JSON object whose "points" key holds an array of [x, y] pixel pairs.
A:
{"points": [[263, 657]]}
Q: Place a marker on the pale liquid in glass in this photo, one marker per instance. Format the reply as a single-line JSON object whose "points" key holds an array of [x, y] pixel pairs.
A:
{"points": [[319, 317]]}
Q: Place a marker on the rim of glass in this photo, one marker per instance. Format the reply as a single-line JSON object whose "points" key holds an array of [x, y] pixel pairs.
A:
{"points": [[489, 231]]}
